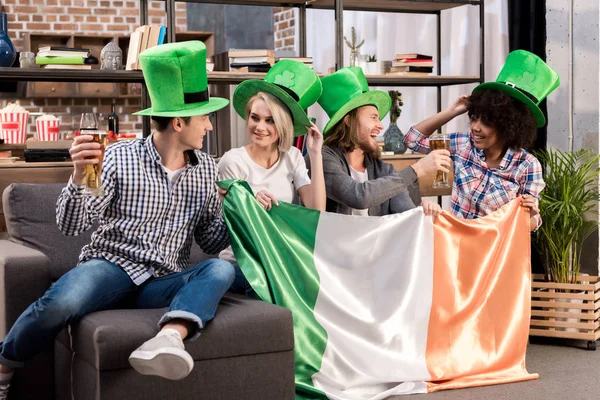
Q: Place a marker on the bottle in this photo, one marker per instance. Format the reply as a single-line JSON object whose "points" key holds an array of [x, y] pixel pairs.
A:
{"points": [[113, 120], [7, 50]]}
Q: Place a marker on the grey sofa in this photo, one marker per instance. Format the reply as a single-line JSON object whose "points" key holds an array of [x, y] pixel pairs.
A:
{"points": [[246, 352]]}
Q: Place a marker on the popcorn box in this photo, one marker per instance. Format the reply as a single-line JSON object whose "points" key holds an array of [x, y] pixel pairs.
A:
{"points": [[12, 133], [48, 130], [19, 117]]}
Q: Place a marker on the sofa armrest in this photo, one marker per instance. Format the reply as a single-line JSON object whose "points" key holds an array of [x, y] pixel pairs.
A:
{"points": [[24, 277]]}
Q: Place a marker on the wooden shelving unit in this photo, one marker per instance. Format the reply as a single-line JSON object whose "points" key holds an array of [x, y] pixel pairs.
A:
{"points": [[230, 78]]}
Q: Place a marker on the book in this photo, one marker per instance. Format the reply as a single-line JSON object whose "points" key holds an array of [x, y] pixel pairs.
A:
{"points": [[413, 64], [63, 48], [251, 53], [259, 64], [66, 66], [413, 55], [134, 49], [260, 68], [252, 60], [62, 53], [59, 60], [162, 34], [411, 68]]}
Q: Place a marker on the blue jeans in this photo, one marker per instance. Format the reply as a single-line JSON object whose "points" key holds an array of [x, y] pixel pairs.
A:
{"points": [[95, 285], [240, 284]]}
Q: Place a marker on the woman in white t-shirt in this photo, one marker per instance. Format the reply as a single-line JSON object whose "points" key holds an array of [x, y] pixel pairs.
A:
{"points": [[275, 170]]}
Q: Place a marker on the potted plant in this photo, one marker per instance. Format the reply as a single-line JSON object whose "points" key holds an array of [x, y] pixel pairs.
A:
{"points": [[354, 46], [372, 65], [567, 207]]}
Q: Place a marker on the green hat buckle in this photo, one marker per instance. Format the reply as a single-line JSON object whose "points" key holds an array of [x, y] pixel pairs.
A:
{"points": [[177, 81], [294, 83], [527, 78]]}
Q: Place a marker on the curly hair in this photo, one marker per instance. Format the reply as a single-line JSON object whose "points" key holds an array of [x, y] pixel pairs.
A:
{"points": [[514, 123]]}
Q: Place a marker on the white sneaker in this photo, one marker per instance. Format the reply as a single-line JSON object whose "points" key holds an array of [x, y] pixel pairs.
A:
{"points": [[4, 391], [163, 356]]}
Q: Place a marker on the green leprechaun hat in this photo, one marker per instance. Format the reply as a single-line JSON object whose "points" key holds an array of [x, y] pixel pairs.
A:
{"points": [[175, 75], [527, 78], [297, 85], [347, 89]]}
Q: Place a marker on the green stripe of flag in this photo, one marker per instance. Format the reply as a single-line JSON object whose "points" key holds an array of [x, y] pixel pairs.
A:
{"points": [[280, 270]]}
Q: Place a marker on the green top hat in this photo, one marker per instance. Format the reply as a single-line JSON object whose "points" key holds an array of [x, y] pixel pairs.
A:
{"points": [[347, 89], [175, 75], [527, 78], [297, 85]]}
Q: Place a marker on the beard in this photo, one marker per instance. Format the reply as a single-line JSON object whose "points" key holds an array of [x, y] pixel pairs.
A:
{"points": [[370, 149]]}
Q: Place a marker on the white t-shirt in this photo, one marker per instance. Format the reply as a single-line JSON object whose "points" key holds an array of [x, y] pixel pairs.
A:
{"points": [[360, 177], [172, 175], [282, 180]]}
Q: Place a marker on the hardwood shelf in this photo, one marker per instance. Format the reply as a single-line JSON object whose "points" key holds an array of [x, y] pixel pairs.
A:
{"points": [[408, 6], [433, 80], [96, 75]]}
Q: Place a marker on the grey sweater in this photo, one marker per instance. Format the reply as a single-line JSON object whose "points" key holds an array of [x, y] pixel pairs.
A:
{"points": [[386, 192]]}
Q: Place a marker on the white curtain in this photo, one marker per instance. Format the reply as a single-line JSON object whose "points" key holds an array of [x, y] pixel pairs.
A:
{"points": [[386, 34]]}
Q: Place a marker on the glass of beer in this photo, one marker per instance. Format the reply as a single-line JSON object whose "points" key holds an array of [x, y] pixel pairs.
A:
{"points": [[440, 142], [93, 172]]}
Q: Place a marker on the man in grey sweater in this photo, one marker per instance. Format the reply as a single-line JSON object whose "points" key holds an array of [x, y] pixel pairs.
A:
{"points": [[357, 181]]}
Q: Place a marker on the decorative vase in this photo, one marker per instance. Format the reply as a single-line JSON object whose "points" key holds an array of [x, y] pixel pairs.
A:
{"points": [[7, 50], [354, 58], [393, 139]]}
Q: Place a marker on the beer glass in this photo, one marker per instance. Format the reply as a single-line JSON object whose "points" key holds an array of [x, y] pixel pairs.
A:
{"points": [[93, 172], [440, 142]]}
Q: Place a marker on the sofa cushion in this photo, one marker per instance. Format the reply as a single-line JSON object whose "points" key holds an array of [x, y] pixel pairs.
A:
{"points": [[30, 212], [242, 326]]}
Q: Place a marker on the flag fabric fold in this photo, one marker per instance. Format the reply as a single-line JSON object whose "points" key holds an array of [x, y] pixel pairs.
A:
{"points": [[390, 305]]}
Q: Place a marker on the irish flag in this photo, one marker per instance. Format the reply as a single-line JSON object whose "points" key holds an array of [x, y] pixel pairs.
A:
{"points": [[390, 305]]}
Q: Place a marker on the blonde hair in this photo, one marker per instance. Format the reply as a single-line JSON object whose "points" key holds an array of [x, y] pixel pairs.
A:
{"points": [[282, 118]]}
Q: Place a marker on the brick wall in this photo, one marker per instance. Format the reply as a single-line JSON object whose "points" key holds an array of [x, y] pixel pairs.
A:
{"points": [[114, 17], [285, 27]]}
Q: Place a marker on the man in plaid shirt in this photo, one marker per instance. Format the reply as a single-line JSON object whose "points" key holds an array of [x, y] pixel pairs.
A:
{"points": [[159, 194], [491, 165]]}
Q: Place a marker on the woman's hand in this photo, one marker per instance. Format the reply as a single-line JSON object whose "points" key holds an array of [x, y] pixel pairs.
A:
{"points": [[266, 199], [314, 141], [431, 208], [222, 193], [531, 203], [459, 106]]}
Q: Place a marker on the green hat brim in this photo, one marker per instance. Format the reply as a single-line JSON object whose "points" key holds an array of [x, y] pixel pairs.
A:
{"points": [[244, 92], [516, 94], [212, 105], [376, 98]]}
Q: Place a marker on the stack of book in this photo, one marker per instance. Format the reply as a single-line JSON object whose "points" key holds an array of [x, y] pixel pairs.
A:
{"points": [[143, 38], [59, 57], [412, 64], [238, 60], [306, 60]]}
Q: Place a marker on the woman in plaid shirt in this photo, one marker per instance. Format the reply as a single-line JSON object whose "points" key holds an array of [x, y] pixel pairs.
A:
{"points": [[491, 165]]}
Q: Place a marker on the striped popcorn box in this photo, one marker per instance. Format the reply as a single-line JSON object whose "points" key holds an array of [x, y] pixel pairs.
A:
{"points": [[12, 133], [21, 118], [47, 130]]}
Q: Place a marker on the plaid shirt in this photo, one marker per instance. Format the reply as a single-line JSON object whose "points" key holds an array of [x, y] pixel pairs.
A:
{"points": [[478, 190], [145, 226]]}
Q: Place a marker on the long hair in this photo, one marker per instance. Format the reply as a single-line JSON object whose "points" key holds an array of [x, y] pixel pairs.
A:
{"points": [[345, 135], [282, 118]]}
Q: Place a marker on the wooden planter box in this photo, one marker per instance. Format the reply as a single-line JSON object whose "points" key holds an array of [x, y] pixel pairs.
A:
{"points": [[566, 310]]}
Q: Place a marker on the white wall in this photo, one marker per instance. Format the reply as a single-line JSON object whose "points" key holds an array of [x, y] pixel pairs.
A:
{"points": [[572, 50]]}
